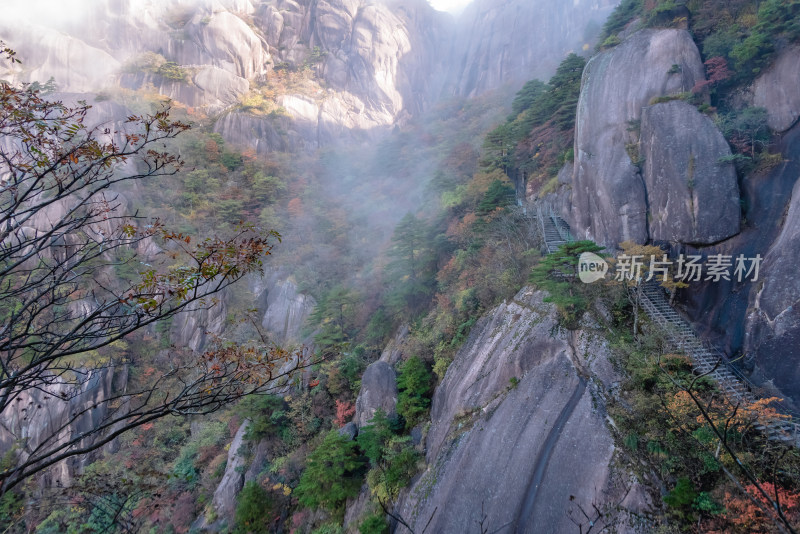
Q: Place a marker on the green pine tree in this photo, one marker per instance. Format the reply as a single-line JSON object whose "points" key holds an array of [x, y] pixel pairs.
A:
{"points": [[414, 386], [253, 510], [331, 474], [412, 269], [557, 273], [499, 195], [333, 317]]}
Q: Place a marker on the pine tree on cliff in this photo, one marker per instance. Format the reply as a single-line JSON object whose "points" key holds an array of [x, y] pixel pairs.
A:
{"points": [[557, 273]]}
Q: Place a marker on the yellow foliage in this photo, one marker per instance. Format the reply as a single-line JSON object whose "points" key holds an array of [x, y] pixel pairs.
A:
{"points": [[654, 253]]}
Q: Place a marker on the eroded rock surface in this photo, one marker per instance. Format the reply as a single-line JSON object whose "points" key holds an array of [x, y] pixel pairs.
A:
{"points": [[501, 41], [609, 201], [773, 323], [285, 310], [496, 443], [224, 500], [378, 391], [42, 418], [776, 90], [692, 196], [192, 328]]}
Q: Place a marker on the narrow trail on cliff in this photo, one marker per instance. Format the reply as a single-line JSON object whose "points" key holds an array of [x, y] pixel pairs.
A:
{"points": [[525, 511]]}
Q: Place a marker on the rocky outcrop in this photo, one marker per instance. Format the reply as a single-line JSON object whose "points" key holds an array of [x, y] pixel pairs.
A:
{"points": [[494, 442], [350, 431], [211, 88], [378, 391], [371, 64], [285, 310], [192, 328], [773, 323], [692, 196], [72, 63], [260, 134], [225, 41], [501, 41], [776, 90], [224, 500], [46, 418], [609, 202], [393, 351]]}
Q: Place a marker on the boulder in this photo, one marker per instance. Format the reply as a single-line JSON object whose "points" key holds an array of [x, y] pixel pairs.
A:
{"points": [[609, 202], [226, 41], [378, 390], [393, 351], [219, 87], [350, 431], [692, 196], [776, 90]]}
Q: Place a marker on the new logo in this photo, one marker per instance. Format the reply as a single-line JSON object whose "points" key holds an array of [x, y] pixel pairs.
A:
{"points": [[591, 267]]}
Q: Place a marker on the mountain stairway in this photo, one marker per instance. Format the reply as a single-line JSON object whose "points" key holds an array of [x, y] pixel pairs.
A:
{"points": [[706, 360]]}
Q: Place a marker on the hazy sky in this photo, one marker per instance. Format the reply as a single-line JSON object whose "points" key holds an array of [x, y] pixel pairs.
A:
{"points": [[453, 6], [30, 7]]}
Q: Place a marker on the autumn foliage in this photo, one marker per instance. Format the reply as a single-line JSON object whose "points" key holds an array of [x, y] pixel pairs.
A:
{"points": [[344, 411], [743, 515]]}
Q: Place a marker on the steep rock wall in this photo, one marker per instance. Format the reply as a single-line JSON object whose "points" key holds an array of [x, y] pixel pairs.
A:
{"points": [[284, 308], [492, 444], [378, 392], [224, 499], [192, 328], [773, 323], [48, 417], [499, 41]]}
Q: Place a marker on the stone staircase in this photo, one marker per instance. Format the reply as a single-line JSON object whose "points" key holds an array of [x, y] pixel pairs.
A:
{"points": [[555, 230], [705, 358]]}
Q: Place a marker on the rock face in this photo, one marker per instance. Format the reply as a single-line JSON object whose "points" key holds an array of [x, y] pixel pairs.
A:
{"points": [[50, 53], [350, 431], [502, 41], [192, 328], [492, 445], [393, 351], [378, 390], [262, 134], [285, 310], [211, 88], [776, 90], [609, 202], [371, 64], [693, 198], [233, 480], [224, 40], [773, 323], [40, 418]]}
